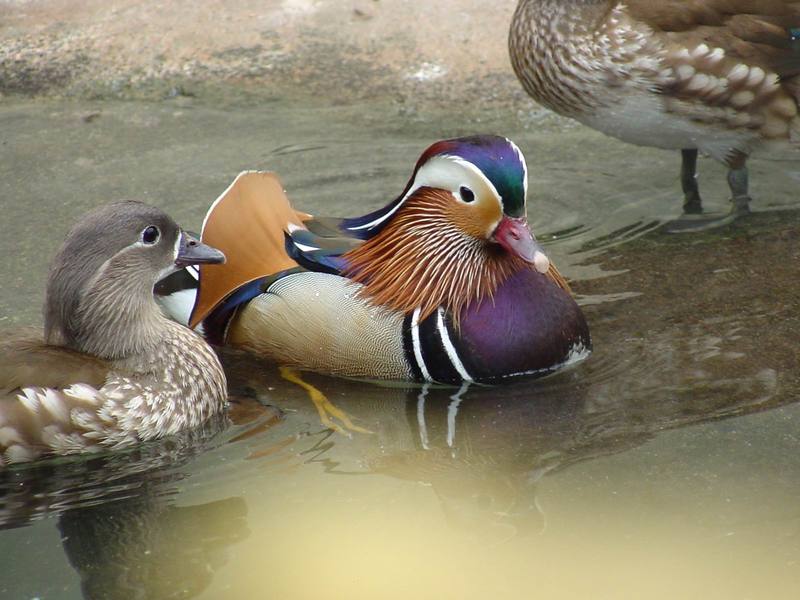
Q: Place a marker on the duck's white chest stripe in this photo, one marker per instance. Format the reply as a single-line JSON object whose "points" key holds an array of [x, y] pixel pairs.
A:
{"points": [[430, 351], [418, 346], [448, 346]]}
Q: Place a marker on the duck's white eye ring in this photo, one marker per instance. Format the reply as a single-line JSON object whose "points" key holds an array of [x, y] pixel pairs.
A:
{"points": [[467, 195], [150, 235]]}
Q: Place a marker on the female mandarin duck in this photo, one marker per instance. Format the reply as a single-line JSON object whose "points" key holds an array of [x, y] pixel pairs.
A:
{"points": [[718, 76], [113, 369], [444, 284]]}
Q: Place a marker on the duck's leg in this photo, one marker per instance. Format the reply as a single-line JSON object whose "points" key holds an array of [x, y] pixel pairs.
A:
{"points": [[325, 407], [692, 203], [738, 182], [693, 218]]}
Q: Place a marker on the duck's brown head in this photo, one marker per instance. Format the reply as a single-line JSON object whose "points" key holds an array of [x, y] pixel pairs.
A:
{"points": [[100, 288]]}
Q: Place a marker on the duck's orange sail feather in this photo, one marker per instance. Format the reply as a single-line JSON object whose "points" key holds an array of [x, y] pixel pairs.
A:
{"points": [[247, 223]]}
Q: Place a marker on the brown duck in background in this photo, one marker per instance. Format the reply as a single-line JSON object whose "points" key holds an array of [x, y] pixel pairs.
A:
{"points": [[112, 369], [716, 76]]}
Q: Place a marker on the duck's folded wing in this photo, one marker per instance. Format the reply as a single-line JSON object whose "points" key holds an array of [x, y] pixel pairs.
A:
{"points": [[760, 33], [45, 391], [28, 361], [322, 253]]}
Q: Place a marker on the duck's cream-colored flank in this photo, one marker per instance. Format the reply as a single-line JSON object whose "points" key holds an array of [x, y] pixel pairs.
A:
{"points": [[331, 329]]}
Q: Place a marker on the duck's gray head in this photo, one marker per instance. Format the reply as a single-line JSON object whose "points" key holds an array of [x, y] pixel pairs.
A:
{"points": [[100, 288]]}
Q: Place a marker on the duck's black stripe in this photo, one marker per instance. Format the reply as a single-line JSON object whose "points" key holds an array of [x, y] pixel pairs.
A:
{"points": [[434, 353], [408, 348], [175, 282]]}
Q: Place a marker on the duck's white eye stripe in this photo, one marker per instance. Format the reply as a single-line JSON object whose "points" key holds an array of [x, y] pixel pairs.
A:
{"points": [[480, 174], [447, 172], [177, 248]]}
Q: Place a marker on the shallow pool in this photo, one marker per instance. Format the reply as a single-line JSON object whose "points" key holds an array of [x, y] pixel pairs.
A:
{"points": [[665, 466]]}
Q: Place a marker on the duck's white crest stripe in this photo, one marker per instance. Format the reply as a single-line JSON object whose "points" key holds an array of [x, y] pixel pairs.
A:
{"points": [[449, 348], [423, 428], [452, 411], [417, 346], [382, 218]]}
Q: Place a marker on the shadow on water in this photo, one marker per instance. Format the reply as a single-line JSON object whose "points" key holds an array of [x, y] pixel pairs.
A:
{"points": [[48, 488]]}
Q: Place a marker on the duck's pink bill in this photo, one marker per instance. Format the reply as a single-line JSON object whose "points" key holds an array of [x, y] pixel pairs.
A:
{"points": [[515, 236]]}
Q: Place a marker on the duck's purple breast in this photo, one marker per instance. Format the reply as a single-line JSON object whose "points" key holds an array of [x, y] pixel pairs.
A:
{"points": [[530, 327]]}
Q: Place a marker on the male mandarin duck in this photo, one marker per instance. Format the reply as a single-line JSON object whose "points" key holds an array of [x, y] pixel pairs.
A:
{"points": [[715, 76], [112, 369], [444, 284]]}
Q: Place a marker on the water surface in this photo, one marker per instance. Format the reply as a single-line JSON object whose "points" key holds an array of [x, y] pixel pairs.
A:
{"points": [[664, 466]]}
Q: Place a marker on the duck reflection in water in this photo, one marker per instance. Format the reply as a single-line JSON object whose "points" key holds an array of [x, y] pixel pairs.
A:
{"points": [[120, 549], [484, 450]]}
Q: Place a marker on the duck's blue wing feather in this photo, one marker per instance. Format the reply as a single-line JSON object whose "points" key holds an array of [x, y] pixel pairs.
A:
{"points": [[319, 250]]}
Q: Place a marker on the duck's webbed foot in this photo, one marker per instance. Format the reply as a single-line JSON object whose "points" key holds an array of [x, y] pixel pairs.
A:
{"points": [[325, 408]]}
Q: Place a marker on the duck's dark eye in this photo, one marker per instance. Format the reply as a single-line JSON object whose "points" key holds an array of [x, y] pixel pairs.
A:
{"points": [[150, 235], [467, 195]]}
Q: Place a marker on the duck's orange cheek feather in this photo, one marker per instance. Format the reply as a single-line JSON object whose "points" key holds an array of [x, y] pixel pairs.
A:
{"points": [[477, 220]]}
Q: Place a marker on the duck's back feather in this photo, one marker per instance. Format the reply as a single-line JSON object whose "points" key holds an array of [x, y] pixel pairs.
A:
{"points": [[27, 361], [323, 253]]}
